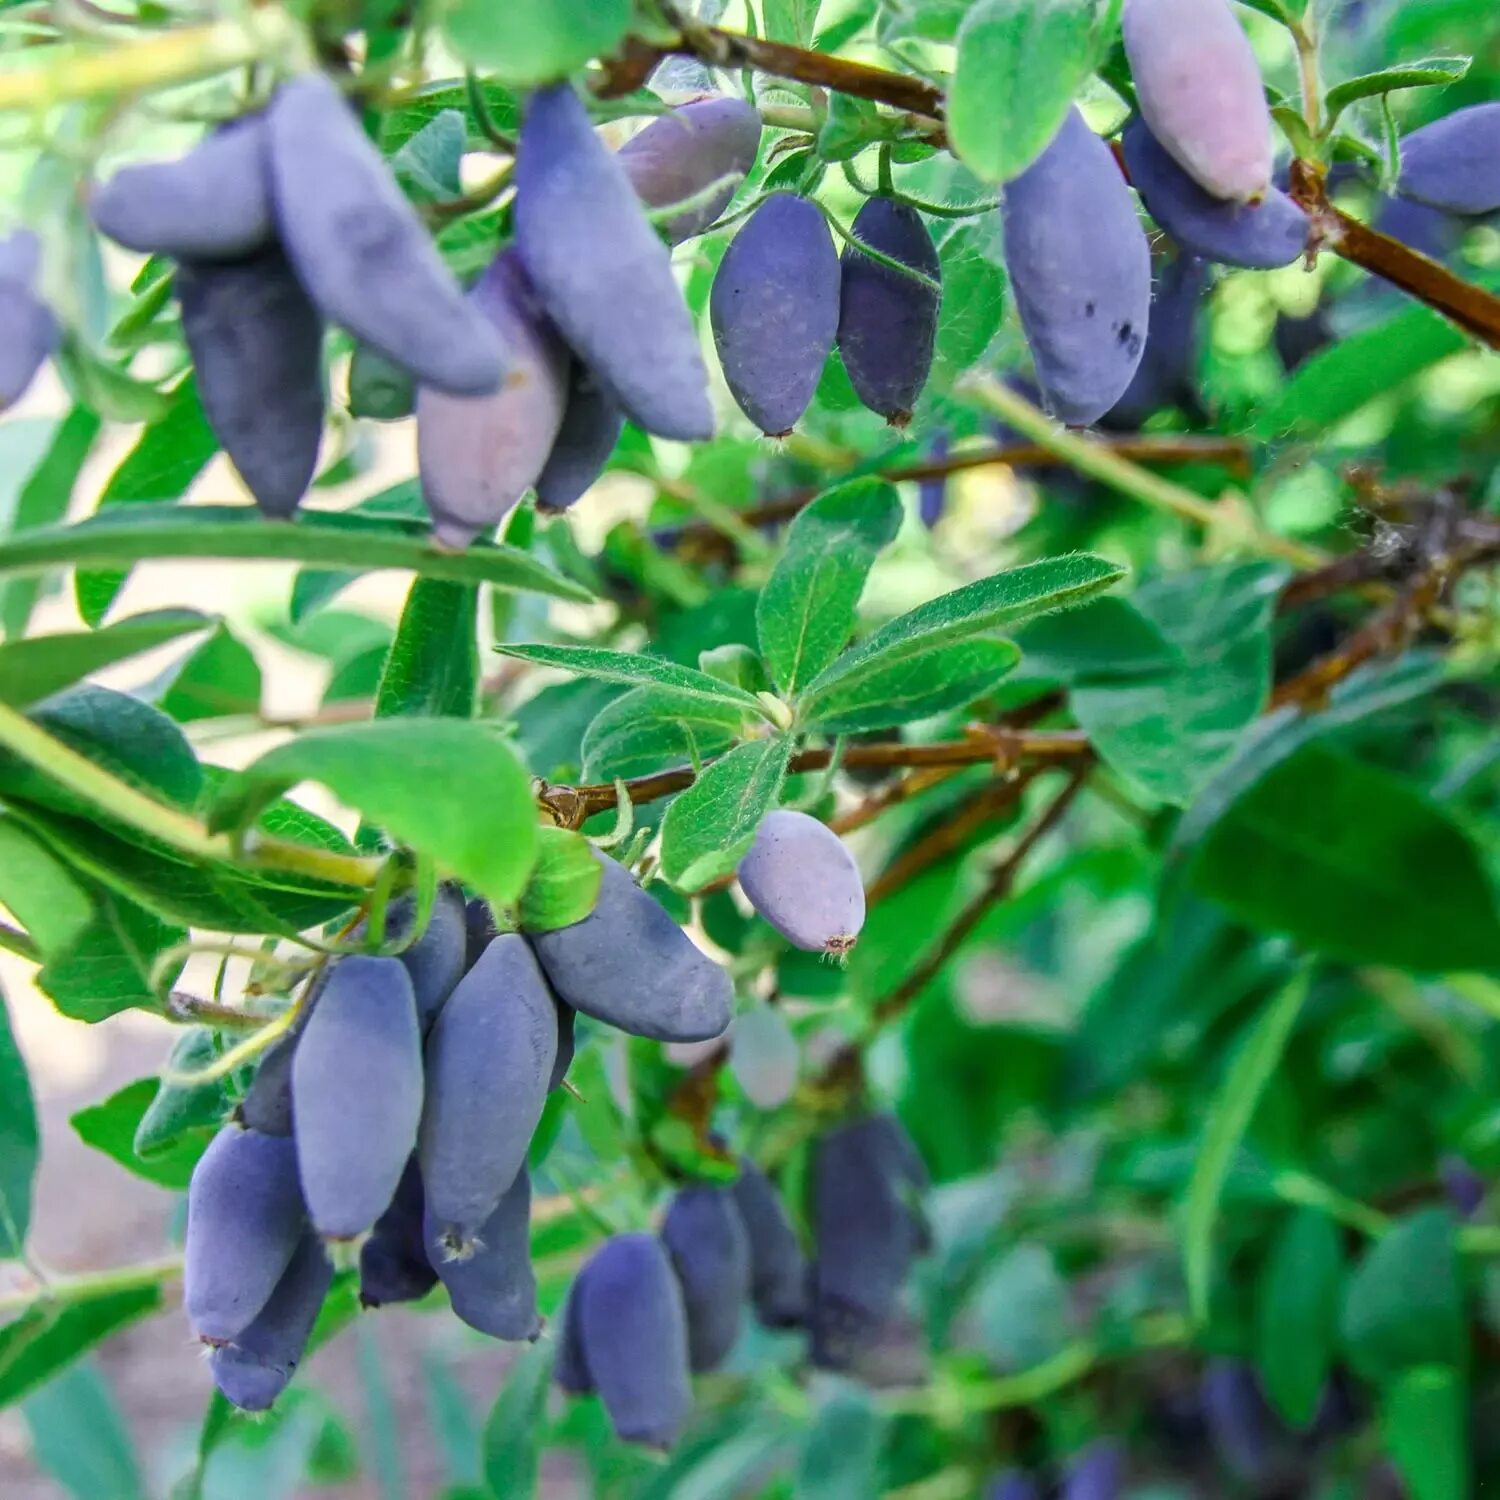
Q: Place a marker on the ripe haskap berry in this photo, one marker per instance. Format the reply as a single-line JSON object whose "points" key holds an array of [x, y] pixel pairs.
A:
{"points": [[28, 331], [489, 1061], [867, 1230], [257, 347], [932, 494], [799, 876], [681, 154], [1454, 163], [602, 272], [1244, 1430], [490, 1283], [570, 1368], [379, 388], [1167, 374], [1200, 90], [258, 1365], [764, 1056], [887, 321], [245, 1219], [633, 1332], [628, 963], [1098, 1473], [1013, 1485], [437, 960], [1262, 235], [393, 1264], [359, 248], [774, 308], [479, 454], [357, 1094], [591, 424], [710, 1253], [1080, 269], [214, 203], [778, 1268], [567, 1026]]}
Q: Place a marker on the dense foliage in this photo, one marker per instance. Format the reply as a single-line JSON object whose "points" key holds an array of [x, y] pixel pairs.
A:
{"points": [[909, 905]]}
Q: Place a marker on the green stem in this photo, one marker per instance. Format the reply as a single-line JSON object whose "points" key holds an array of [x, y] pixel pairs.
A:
{"points": [[1096, 460], [90, 1287], [1309, 1192], [800, 117]]}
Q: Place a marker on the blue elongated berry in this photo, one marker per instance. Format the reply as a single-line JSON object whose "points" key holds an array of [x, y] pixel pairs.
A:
{"points": [[774, 309], [1166, 375], [437, 960], [628, 963], [570, 1366], [357, 1093], [1097, 1474], [932, 494], [214, 203], [1080, 269], [1454, 163], [867, 1231], [1270, 232], [245, 1219], [393, 1264], [887, 321], [479, 454], [799, 876], [567, 1026], [489, 1061], [257, 347], [710, 1253], [591, 425], [1013, 1485], [633, 1331], [1200, 90], [359, 248], [602, 272], [490, 1283], [28, 331], [1244, 1430], [1463, 1187], [684, 153], [258, 1365], [778, 1268]]}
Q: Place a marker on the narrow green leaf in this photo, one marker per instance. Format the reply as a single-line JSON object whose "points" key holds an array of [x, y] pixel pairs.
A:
{"points": [[1404, 1302], [712, 824], [903, 686], [18, 1144], [1356, 863], [1019, 65], [36, 668], [650, 728], [1424, 1422], [433, 666], [1228, 1119], [35, 1346], [1296, 1330], [218, 679], [806, 611], [110, 1127], [513, 1433], [841, 1455], [449, 788], [564, 882], [1430, 72], [530, 44], [180, 1108], [79, 1437], [332, 539], [632, 668]]}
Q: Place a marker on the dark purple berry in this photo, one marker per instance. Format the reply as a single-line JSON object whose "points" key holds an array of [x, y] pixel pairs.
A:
{"points": [[393, 1264], [778, 1268], [490, 1282], [1241, 1424], [591, 424], [1454, 163], [28, 331], [932, 494], [710, 1253], [1167, 374]]}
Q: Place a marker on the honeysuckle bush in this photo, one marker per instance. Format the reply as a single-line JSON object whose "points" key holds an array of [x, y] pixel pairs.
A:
{"points": [[1166, 748]]}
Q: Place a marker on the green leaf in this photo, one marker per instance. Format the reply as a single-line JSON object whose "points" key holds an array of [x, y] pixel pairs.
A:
{"points": [[564, 882], [34, 669], [18, 1144], [806, 611], [47, 898], [709, 826], [973, 302], [1102, 641], [1430, 72], [977, 609], [650, 728], [332, 539], [531, 44], [180, 1108], [111, 1127], [1353, 862], [1297, 1314], [420, 107], [516, 1424], [449, 788], [882, 692], [35, 1346], [1404, 1304], [1019, 64], [429, 163], [219, 679], [1167, 732], [1228, 1119], [632, 668], [79, 1437], [1424, 1422], [792, 21], [1357, 369], [1021, 1308], [850, 126], [109, 967], [841, 1454], [433, 666]]}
